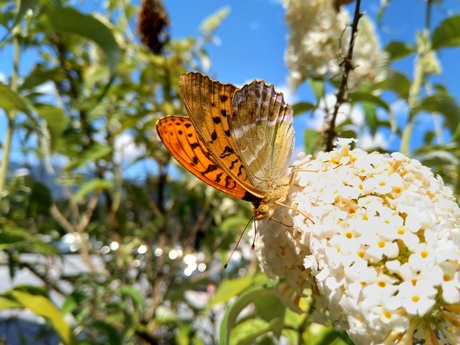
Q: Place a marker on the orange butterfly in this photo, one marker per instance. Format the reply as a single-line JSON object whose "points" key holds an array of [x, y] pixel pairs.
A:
{"points": [[238, 141]]}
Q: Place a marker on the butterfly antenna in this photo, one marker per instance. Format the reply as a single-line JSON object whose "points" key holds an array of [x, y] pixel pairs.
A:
{"points": [[237, 243], [253, 246]]}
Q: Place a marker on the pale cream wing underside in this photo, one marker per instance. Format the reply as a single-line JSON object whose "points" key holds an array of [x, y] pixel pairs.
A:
{"points": [[262, 125]]}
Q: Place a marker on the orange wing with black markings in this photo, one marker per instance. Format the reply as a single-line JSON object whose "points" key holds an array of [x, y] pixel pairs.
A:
{"points": [[181, 139]]}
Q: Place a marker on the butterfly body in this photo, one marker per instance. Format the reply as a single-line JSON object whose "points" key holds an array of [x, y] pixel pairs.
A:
{"points": [[238, 141]]}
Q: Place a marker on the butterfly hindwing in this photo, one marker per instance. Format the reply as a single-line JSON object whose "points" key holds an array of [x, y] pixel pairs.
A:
{"points": [[181, 139], [262, 126]]}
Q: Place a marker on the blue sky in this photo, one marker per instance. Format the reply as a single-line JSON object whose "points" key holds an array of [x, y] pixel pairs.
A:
{"points": [[252, 40]]}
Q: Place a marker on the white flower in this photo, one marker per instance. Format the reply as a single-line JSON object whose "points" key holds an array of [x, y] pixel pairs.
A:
{"points": [[318, 42], [379, 252]]}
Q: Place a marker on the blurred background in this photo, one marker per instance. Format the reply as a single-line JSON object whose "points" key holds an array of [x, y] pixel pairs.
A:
{"points": [[104, 238]]}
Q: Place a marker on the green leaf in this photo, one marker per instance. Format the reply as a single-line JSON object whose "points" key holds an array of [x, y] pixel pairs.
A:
{"points": [[397, 50], [361, 96], [114, 336], [40, 200], [442, 104], [95, 152], [312, 141], [10, 238], [43, 307], [11, 100], [370, 115], [66, 19], [74, 299], [7, 302], [302, 107], [247, 331], [56, 121], [447, 34], [38, 76], [231, 288], [88, 187], [317, 86], [396, 82], [241, 302]]}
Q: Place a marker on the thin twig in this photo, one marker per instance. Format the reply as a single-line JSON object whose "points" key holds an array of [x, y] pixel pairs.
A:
{"points": [[330, 132]]}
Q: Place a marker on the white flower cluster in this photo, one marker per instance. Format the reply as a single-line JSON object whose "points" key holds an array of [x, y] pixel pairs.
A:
{"points": [[318, 42], [380, 248]]}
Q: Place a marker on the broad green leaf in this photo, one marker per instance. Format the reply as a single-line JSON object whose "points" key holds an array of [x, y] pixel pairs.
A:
{"points": [[10, 100], [370, 116], [70, 20], [247, 331], [370, 98], [442, 104], [9, 238], [397, 50], [88, 187], [396, 82], [56, 121], [114, 336], [312, 141], [231, 288], [302, 107], [38, 76], [270, 307], [43, 307], [241, 302], [317, 86], [75, 298], [230, 224], [7, 302], [447, 34], [40, 200], [95, 152]]}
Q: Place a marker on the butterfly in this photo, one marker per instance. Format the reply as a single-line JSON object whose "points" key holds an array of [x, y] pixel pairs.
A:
{"points": [[237, 140]]}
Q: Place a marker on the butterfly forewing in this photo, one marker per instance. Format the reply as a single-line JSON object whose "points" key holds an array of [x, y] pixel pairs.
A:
{"points": [[209, 105], [262, 127], [181, 139]]}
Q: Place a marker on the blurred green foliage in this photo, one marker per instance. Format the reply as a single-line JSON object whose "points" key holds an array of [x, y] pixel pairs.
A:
{"points": [[134, 234]]}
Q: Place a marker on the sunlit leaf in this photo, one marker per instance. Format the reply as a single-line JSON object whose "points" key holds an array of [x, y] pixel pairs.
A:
{"points": [[56, 121], [11, 100], [88, 187], [96, 151], [447, 34], [231, 288], [70, 20], [312, 140], [241, 302], [396, 82], [444, 105], [302, 107], [397, 50], [317, 86], [43, 307]]}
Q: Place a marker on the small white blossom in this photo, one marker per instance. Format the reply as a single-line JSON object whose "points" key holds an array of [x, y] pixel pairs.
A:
{"points": [[379, 252], [318, 42]]}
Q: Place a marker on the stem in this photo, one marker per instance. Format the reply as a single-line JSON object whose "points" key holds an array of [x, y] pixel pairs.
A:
{"points": [[330, 132], [5, 164]]}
